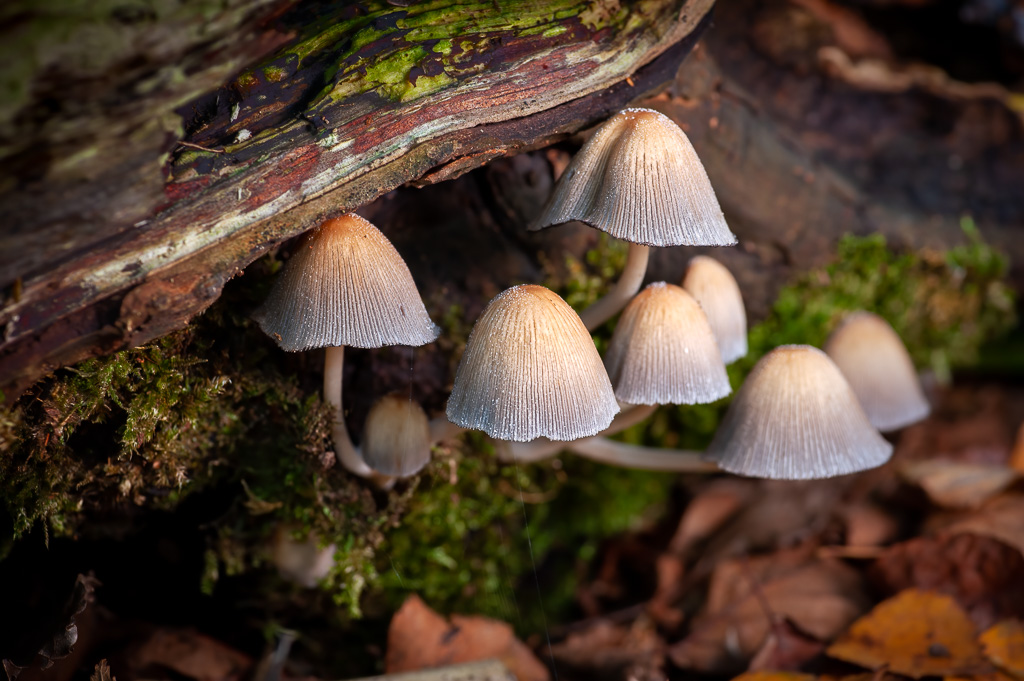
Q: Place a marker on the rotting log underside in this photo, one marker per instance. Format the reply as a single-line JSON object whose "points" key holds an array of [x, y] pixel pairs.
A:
{"points": [[116, 233]]}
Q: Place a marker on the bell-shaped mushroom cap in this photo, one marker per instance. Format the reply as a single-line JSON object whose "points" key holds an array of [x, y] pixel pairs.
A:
{"points": [[396, 438], [345, 285], [531, 370], [716, 290], [879, 369], [639, 179], [663, 351], [796, 418]]}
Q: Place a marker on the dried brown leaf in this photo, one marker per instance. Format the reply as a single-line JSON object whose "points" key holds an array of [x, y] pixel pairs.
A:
{"points": [[1003, 519], [606, 650], [786, 649], [952, 484], [820, 597], [916, 633], [868, 525], [102, 672], [708, 511], [191, 654], [1016, 461], [419, 638]]}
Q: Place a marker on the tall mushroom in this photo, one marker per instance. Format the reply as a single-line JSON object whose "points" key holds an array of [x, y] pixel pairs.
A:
{"points": [[876, 363], [639, 179], [345, 285], [714, 287], [530, 370], [663, 351]]}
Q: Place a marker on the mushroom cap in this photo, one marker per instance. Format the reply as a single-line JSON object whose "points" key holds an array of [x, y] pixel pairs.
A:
{"points": [[879, 369], [639, 179], [396, 437], [796, 418], [345, 285], [531, 370], [714, 287], [663, 351]]}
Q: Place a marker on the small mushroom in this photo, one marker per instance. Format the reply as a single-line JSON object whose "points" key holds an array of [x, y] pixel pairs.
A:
{"points": [[530, 369], [714, 287], [639, 179], [879, 369], [663, 351], [345, 285], [396, 437], [796, 418]]}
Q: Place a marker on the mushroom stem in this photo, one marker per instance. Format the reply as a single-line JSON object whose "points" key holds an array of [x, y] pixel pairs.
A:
{"points": [[348, 455], [542, 448], [442, 429], [622, 292], [640, 457]]}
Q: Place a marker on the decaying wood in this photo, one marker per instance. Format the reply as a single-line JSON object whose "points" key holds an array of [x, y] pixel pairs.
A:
{"points": [[105, 245]]}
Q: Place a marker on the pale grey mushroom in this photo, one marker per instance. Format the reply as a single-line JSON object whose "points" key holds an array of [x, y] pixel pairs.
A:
{"points": [[796, 418], [664, 352], [530, 370], [879, 369], [396, 437], [714, 287], [639, 179], [345, 285]]}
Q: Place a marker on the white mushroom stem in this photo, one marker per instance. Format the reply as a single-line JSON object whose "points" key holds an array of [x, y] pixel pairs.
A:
{"points": [[622, 292], [528, 452], [640, 457], [348, 455]]}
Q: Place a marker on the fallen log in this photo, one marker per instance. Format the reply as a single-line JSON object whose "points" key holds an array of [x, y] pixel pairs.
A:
{"points": [[125, 218]]}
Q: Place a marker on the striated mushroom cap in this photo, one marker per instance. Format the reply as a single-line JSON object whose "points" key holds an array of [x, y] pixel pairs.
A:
{"points": [[345, 285], [663, 351], [396, 437], [796, 418], [531, 370], [714, 287], [879, 369], [639, 179]]}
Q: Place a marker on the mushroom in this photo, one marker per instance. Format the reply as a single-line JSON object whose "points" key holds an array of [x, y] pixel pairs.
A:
{"points": [[796, 418], [639, 179], [663, 351], [530, 370], [345, 285], [879, 369], [714, 287], [396, 437]]}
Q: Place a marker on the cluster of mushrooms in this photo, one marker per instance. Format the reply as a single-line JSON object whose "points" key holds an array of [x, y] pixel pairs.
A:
{"points": [[531, 377]]}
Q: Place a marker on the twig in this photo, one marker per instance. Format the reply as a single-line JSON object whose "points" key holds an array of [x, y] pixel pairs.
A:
{"points": [[200, 148]]}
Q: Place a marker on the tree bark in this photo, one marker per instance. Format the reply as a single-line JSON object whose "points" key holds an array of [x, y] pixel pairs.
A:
{"points": [[129, 200]]}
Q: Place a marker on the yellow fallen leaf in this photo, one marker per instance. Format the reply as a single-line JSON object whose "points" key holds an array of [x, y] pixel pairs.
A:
{"points": [[916, 633], [774, 676], [1004, 645]]}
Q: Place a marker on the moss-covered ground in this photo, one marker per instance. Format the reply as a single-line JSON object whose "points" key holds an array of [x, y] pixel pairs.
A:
{"points": [[217, 409]]}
